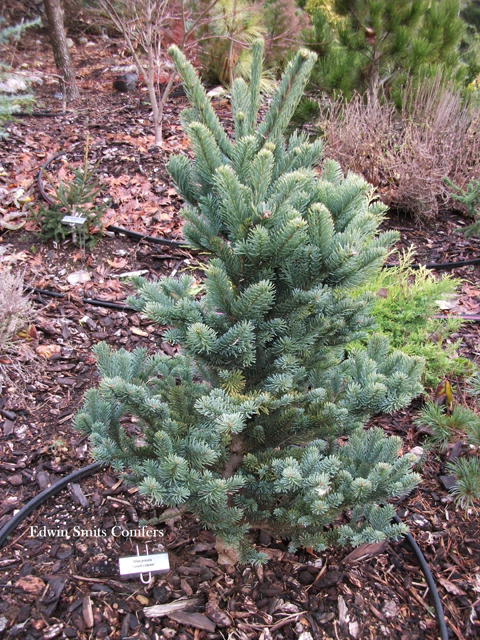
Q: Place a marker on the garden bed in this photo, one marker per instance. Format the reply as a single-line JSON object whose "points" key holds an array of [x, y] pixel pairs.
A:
{"points": [[69, 586]]}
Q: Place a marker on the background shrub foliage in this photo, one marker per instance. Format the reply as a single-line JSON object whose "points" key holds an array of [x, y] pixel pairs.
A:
{"points": [[405, 308], [395, 89], [408, 153]]}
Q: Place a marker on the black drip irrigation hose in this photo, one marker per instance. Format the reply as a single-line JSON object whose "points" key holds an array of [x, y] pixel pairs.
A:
{"points": [[42, 497], [96, 466], [437, 603], [140, 236], [91, 301], [464, 316], [112, 228], [44, 292], [39, 114], [107, 305]]}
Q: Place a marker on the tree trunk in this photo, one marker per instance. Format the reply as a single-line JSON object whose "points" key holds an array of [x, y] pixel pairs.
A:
{"points": [[58, 39], [236, 456], [373, 80]]}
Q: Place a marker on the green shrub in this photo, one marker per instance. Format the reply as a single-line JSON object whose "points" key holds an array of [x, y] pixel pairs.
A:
{"points": [[307, 112], [12, 95], [467, 487], [234, 24], [406, 303], [243, 428], [446, 428], [470, 199], [367, 47]]}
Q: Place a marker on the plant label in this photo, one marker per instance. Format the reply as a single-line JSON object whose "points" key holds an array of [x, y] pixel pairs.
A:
{"points": [[135, 565], [73, 220]]}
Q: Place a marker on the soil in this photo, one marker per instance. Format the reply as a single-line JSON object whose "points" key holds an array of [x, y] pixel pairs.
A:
{"points": [[68, 586]]}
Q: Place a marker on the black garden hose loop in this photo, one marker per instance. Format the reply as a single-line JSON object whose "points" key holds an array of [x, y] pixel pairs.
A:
{"points": [[437, 603], [92, 301], [437, 265], [39, 114], [96, 466], [106, 304], [114, 229], [43, 167], [44, 496], [141, 236]]}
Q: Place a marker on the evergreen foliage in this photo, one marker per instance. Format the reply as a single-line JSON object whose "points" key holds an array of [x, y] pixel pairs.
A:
{"points": [[225, 40], [405, 308], [447, 427], [470, 44], [470, 199], [368, 45], [467, 487], [76, 198], [258, 421]]}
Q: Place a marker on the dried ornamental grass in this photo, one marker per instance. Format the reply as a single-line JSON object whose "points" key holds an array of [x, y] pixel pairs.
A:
{"points": [[407, 155], [16, 313]]}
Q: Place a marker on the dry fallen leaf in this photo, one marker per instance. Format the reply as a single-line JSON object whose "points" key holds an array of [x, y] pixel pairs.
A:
{"points": [[78, 255], [48, 350], [446, 305], [118, 263], [451, 587], [20, 256], [227, 557]]}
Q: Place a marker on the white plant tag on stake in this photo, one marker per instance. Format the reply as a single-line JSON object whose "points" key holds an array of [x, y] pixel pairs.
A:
{"points": [[73, 220], [134, 566]]}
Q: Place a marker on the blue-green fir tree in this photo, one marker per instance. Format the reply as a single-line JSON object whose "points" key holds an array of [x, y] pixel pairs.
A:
{"points": [[258, 422]]}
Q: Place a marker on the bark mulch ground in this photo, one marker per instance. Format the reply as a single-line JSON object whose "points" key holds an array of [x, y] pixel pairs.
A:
{"points": [[59, 573]]}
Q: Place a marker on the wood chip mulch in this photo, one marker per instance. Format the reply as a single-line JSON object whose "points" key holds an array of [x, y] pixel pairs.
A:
{"points": [[68, 586]]}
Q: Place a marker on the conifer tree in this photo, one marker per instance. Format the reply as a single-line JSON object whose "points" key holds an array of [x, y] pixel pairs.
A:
{"points": [[470, 45], [373, 44], [258, 422]]}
